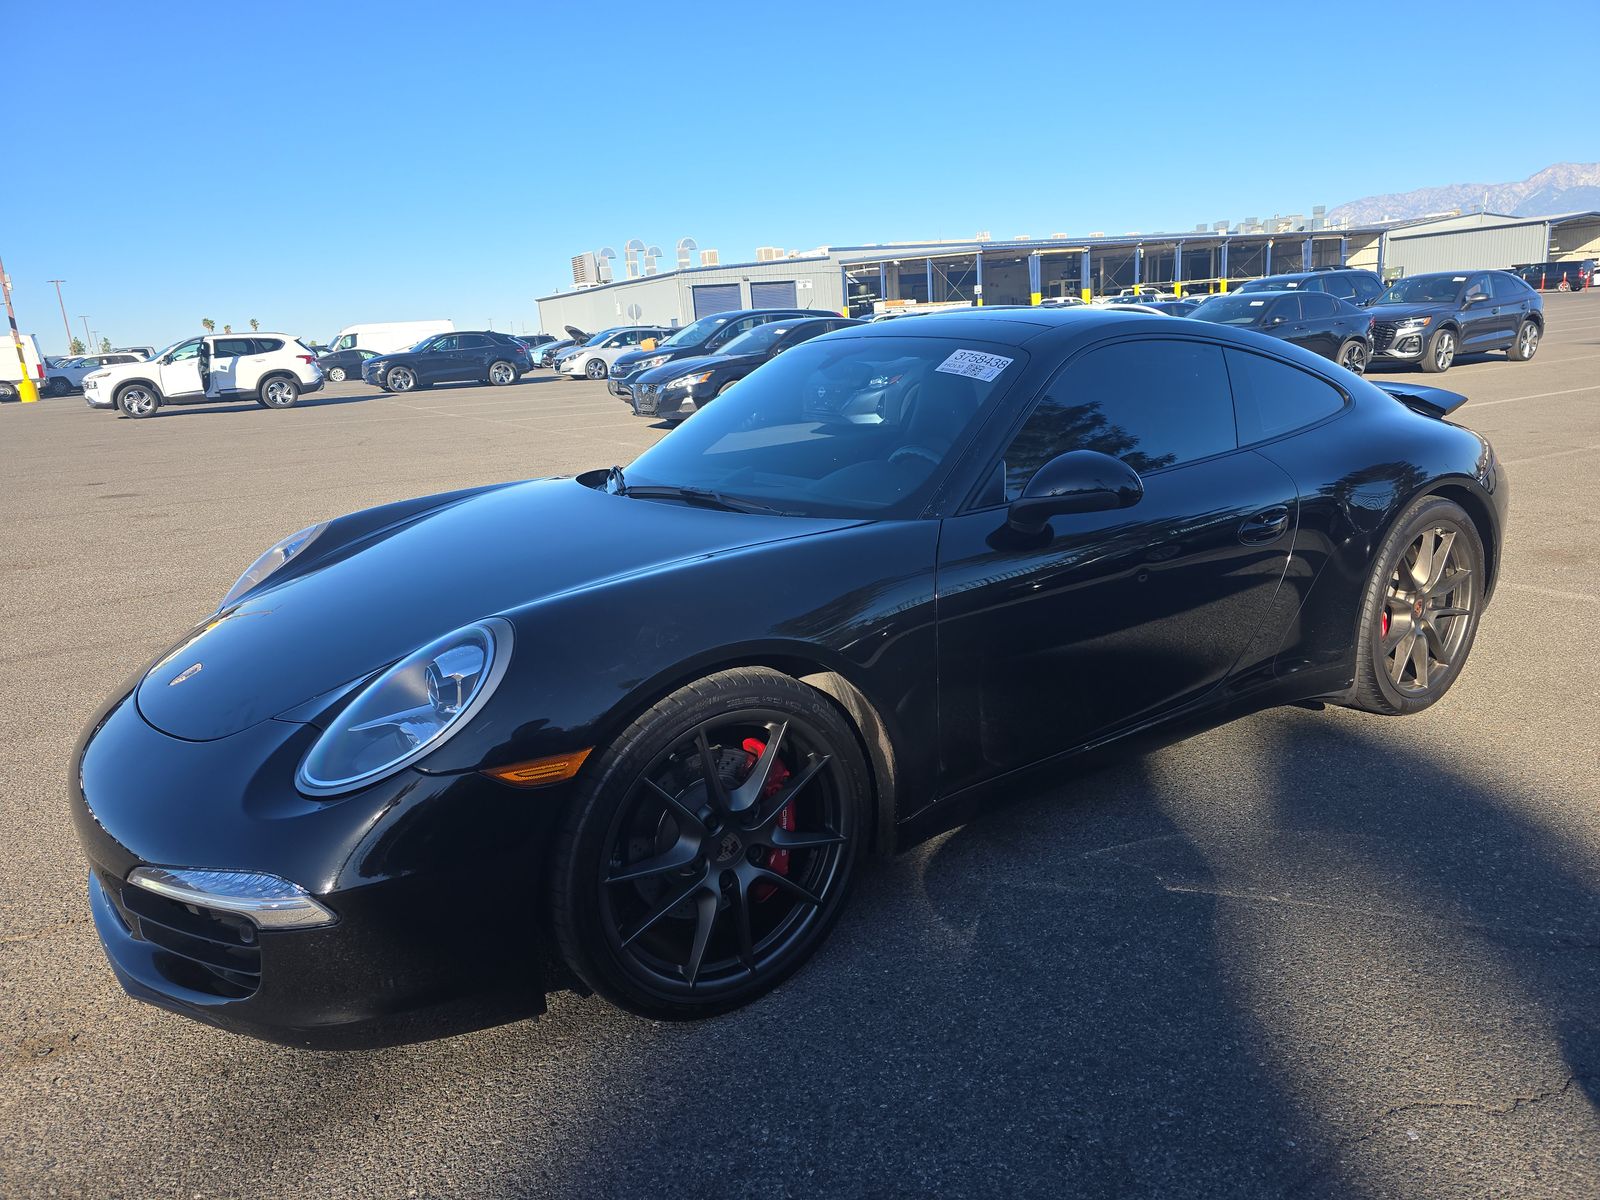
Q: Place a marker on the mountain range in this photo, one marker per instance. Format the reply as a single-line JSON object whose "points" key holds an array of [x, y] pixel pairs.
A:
{"points": [[1564, 187]]}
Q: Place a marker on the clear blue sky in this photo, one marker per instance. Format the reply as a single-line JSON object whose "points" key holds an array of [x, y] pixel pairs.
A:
{"points": [[317, 164]]}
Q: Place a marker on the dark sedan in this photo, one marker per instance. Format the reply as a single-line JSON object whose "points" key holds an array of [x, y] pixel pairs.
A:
{"points": [[1333, 328], [472, 356], [674, 391], [339, 365], [644, 728], [708, 335], [545, 355], [1430, 319]]}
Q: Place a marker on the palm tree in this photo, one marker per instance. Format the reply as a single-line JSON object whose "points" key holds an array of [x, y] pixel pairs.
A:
{"points": [[227, 329], [254, 324], [208, 324]]}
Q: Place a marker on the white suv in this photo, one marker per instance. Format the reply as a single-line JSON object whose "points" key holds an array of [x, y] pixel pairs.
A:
{"points": [[273, 369]]}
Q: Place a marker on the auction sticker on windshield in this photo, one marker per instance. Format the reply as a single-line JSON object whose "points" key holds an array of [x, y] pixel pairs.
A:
{"points": [[974, 365]]}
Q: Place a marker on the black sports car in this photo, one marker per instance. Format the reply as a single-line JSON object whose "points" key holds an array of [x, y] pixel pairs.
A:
{"points": [[339, 365], [1323, 324], [673, 391], [470, 356], [646, 727]]}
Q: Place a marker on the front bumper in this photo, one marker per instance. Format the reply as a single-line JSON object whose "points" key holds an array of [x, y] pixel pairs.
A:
{"points": [[97, 395], [654, 401], [430, 936], [1400, 344], [619, 387]]}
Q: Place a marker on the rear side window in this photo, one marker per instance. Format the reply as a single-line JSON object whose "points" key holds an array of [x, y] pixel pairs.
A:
{"points": [[472, 341], [1273, 398], [267, 345], [1366, 288], [1506, 287], [1318, 304], [231, 347], [1339, 285], [1151, 403]]}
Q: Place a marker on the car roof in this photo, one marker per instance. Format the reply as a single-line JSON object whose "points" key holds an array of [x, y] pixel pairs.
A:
{"points": [[1010, 326]]}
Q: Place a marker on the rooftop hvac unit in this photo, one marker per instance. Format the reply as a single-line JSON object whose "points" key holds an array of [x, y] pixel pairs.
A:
{"points": [[768, 253], [585, 271], [686, 249], [708, 258], [1219, 227]]}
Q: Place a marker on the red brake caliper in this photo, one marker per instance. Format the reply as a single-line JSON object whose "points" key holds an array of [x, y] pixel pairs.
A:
{"points": [[777, 860]]}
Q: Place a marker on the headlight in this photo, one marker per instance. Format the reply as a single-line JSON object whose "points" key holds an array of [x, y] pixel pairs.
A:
{"points": [[1415, 323], [268, 901], [274, 558], [411, 709], [644, 364], [684, 381]]}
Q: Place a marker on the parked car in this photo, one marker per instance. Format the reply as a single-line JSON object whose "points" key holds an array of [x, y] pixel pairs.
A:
{"points": [[69, 376], [545, 355], [593, 359], [1347, 283], [1147, 294], [143, 352], [386, 337], [1174, 308], [470, 356], [708, 335], [674, 390], [273, 369], [1557, 276], [1323, 324], [661, 718], [1430, 319], [339, 365]]}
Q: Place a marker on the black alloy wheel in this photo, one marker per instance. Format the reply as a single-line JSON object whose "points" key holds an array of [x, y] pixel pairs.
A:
{"points": [[1353, 356], [1421, 609], [713, 846]]}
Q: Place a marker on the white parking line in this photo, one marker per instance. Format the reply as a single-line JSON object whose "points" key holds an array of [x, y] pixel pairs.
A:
{"points": [[1511, 462], [1556, 592], [1475, 404]]}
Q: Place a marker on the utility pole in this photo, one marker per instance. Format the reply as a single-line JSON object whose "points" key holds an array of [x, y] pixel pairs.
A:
{"points": [[27, 391], [65, 323], [88, 342]]}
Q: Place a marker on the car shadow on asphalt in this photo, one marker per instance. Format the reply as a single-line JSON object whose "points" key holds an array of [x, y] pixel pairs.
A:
{"points": [[250, 406]]}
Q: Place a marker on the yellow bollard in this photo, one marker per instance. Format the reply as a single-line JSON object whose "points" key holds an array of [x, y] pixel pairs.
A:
{"points": [[1034, 298], [1088, 295], [28, 391]]}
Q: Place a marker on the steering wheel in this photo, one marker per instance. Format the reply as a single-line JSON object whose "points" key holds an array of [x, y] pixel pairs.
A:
{"points": [[907, 452]]}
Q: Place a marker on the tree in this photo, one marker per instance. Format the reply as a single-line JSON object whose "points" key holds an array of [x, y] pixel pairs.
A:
{"points": [[77, 347], [227, 329], [254, 324], [208, 324], [105, 345]]}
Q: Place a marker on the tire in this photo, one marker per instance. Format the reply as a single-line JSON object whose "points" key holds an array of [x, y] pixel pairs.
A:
{"points": [[595, 368], [335, 374], [1440, 352], [400, 379], [501, 373], [279, 391], [137, 400], [57, 386], [647, 829], [1353, 355], [1388, 678], [1526, 344]]}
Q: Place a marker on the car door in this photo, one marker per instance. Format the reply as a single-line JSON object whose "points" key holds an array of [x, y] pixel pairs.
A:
{"points": [[1109, 619], [1283, 318], [1319, 324], [227, 355], [435, 364], [1480, 321], [1511, 300], [182, 371], [472, 354]]}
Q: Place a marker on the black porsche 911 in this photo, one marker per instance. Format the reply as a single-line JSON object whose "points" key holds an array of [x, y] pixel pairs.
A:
{"points": [[642, 729]]}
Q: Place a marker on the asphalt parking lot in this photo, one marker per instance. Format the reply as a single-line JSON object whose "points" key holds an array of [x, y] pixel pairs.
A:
{"points": [[1309, 953]]}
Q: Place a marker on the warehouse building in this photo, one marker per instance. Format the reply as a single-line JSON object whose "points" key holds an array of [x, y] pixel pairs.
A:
{"points": [[864, 280]]}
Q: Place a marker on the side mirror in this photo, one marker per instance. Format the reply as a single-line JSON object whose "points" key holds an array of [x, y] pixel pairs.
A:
{"points": [[1078, 481], [1277, 320], [1476, 298]]}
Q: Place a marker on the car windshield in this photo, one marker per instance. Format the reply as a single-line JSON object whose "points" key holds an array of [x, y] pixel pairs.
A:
{"points": [[605, 335], [758, 340], [859, 427], [1424, 289], [697, 332], [1232, 310]]}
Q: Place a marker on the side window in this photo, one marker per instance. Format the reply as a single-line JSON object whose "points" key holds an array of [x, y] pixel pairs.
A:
{"points": [[190, 349], [448, 342], [1287, 309], [1271, 397], [1367, 288], [472, 341], [231, 348], [266, 345], [1506, 287], [1478, 285], [1152, 403], [1339, 285], [345, 342], [1318, 304]]}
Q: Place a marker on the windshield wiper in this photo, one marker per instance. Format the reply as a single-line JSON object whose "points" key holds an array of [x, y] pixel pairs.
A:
{"points": [[618, 486]]}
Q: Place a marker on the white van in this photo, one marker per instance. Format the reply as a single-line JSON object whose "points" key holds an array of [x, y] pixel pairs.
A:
{"points": [[387, 337], [11, 370]]}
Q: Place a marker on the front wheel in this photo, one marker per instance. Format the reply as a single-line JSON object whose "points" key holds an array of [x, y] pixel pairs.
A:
{"points": [[280, 392], [400, 379], [1353, 356], [1526, 344], [1441, 352], [502, 373], [138, 401], [595, 368], [712, 845], [1420, 611]]}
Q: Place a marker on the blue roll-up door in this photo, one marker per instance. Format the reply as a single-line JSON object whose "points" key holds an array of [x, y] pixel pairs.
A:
{"points": [[773, 294], [714, 298]]}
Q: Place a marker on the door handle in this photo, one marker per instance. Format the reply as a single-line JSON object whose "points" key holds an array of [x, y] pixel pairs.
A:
{"points": [[1266, 526]]}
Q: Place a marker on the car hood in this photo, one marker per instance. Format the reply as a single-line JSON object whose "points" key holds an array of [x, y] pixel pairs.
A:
{"points": [[361, 603], [688, 366], [1399, 312]]}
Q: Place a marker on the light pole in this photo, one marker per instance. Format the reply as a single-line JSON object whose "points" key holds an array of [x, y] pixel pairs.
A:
{"points": [[88, 342], [65, 324]]}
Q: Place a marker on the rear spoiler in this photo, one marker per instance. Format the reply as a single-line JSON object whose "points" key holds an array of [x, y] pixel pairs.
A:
{"points": [[1429, 401]]}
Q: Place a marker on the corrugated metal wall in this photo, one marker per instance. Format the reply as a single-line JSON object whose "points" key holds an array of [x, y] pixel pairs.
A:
{"points": [[667, 299], [1466, 249]]}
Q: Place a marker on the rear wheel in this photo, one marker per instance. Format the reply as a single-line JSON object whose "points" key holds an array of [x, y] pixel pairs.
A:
{"points": [[502, 373], [712, 846], [1526, 344], [1353, 356], [336, 375], [280, 392], [1441, 352], [1420, 611], [138, 401], [57, 386]]}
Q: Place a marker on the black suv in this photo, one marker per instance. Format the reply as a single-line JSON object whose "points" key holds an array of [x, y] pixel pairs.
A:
{"points": [[1347, 283], [1429, 319], [1557, 276], [706, 336], [1321, 323], [673, 390], [477, 355]]}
